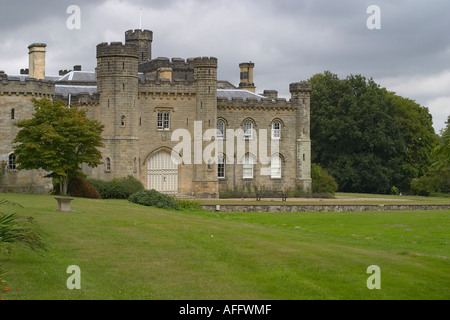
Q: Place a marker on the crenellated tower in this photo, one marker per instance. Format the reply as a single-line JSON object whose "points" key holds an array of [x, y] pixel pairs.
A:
{"points": [[117, 84], [300, 99], [205, 179], [143, 40]]}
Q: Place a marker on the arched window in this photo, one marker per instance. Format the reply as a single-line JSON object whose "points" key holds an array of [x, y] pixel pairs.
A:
{"points": [[12, 161], [13, 114], [221, 167], [122, 121], [108, 164], [276, 130], [220, 129], [247, 167], [248, 128], [275, 166]]}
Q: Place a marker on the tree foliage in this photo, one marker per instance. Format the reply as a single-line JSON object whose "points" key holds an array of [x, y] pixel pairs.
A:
{"points": [[58, 140], [368, 138]]}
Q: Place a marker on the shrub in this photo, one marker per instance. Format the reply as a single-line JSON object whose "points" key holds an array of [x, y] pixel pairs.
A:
{"points": [[323, 184], [434, 181], [189, 204], [117, 188], [79, 187], [154, 198]]}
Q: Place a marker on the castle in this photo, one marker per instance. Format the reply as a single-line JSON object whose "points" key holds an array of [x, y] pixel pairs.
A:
{"points": [[148, 106]]}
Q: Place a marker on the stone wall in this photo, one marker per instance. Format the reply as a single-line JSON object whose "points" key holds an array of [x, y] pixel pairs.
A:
{"points": [[276, 208]]}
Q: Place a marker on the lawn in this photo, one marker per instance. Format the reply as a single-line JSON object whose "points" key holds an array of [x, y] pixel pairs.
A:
{"points": [[126, 251]]}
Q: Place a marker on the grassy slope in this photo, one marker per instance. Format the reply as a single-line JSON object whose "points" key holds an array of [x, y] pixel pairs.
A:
{"points": [[126, 251]]}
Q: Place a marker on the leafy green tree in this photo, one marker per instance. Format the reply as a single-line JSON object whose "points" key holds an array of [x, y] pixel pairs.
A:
{"points": [[368, 138], [58, 140]]}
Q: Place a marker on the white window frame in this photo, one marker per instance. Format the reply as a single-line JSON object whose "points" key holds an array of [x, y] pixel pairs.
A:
{"points": [[248, 130], [276, 132], [12, 161], [166, 121], [160, 121], [247, 167], [221, 167], [275, 167]]}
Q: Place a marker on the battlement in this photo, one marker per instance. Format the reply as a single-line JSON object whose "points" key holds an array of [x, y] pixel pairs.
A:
{"points": [[300, 87], [25, 86], [138, 34], [115, 49], [254, 103], [205, 62]]}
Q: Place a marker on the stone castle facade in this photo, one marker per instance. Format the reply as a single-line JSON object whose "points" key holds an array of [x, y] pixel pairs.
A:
{"points": [[149, 106]]}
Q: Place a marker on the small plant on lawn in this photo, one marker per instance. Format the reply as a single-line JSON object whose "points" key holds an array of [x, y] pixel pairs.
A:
{"points": [[154, 198], [16, 230]]}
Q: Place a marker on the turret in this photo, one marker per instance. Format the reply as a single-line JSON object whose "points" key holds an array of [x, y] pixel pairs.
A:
{"points": [[117, 83], [205, 77], [300, 99], [143, 39]]}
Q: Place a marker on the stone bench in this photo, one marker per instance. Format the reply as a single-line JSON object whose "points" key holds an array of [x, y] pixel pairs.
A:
{"points": [[271, 194]]}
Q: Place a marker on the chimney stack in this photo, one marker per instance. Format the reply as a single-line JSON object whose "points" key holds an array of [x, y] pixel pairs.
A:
{"points": [[37, 60]]}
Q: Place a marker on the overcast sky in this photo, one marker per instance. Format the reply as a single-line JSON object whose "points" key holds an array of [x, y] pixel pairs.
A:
{"points": [[288, 40]]}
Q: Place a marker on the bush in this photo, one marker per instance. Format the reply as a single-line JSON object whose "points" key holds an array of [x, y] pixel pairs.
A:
{"points": [[79, 187], [323, 184], [154, 198], [117, 188], [189, 204], [434, 181]]}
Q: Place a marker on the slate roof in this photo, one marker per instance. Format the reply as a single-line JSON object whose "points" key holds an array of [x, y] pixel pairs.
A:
{"points": [[65, 90], [238, 93]]}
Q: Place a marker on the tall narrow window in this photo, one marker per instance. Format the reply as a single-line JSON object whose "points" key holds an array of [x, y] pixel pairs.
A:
{"points": [[160, 120], [220, 129], [221, 167], [12, 161], [276, 130], [166, 121], [248, 126], [13, 114], [247, 168], [122, 121], [275, 167], [108, 164]]}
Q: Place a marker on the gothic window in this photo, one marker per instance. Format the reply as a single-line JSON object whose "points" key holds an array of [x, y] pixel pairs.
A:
{"points": [[122, 121], [13, 114], [12, 161], [275, 166], [248, 126], [220, 129], [108, 164], [221, 167], [276, 130], [247, 167]]}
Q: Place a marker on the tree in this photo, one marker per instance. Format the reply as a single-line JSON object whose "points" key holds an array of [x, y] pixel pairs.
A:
{"points": [[368, 138], [58, 140]]}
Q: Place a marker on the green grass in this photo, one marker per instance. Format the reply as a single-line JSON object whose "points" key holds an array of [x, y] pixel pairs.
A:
{"points": [[126, 251]]}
